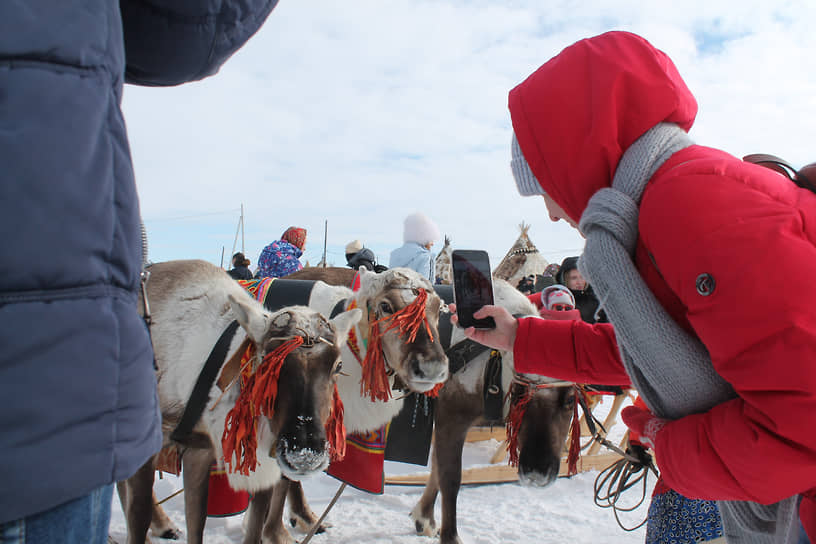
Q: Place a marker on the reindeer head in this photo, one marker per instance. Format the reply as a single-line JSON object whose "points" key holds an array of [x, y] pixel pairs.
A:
{"points": [[401, 319], [541, 410], [296, 397]]}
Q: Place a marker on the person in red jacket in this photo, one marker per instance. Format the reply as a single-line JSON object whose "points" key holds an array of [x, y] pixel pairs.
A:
{"points": [[676, 235], [555, 302]]}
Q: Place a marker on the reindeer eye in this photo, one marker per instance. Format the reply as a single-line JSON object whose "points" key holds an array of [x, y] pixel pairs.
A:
{"points": [[386, 308], [337, 367], [569, 402]]}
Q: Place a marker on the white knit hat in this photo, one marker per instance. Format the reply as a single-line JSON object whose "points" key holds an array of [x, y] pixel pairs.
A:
{"points": [[354, 246], [526, 182], [419, 228], [557, 294]]}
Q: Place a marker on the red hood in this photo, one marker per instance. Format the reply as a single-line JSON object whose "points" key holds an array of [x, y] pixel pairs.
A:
{"points": [[576, 115]]}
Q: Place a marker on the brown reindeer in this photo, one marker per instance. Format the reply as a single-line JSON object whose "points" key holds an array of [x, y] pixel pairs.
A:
{"points": [[542, 426], [287, 363]]}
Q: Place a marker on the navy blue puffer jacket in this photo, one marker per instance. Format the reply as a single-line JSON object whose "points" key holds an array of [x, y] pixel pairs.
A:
{"points": [[77, 385]]}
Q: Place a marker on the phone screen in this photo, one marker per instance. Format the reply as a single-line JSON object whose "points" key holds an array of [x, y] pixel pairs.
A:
{"points": [[472, 287]]}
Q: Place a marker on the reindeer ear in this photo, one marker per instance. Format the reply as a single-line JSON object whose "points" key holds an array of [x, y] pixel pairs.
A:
{"points": [[250, 316], [344, 322]]}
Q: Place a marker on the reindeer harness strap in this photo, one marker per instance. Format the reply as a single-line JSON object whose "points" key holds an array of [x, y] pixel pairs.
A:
{"points": [[201, 390], [338, 309]]}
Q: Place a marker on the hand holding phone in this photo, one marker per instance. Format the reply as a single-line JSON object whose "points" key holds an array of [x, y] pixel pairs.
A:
{"points": [[503, 337], [472, 287]]}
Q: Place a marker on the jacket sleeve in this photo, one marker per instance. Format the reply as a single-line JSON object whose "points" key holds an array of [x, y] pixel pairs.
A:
{"points": [[169, 42], [569, 350], [760, 334]]}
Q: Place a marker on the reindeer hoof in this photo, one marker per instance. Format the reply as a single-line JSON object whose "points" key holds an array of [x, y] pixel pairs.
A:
{"points": [[424, 526], [171, 534], [305, 525]]}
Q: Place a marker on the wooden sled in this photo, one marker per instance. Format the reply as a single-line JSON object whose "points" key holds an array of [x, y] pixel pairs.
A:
{"points": [[500, 472]]}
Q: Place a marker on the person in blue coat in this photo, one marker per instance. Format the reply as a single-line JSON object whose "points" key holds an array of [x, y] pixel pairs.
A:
{"points": [[419, 234], [77, 382], [281, 257]]}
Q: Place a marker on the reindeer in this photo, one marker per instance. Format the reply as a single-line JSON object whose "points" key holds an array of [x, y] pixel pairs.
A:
{"points": [[538, 413], [541, 409], [284, 419]]}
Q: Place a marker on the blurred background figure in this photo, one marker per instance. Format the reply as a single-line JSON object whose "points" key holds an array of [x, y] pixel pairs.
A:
{"points": [[556, 302], [419, 234], [585, 299], [358, 255], [240, 267], [547, 278], [527, 284], [280, 258]]}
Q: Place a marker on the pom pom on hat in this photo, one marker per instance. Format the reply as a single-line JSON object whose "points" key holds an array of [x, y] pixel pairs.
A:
{"points": [[526, 182], [295, 236], [354, 246], [557, 294], [419, 228]]}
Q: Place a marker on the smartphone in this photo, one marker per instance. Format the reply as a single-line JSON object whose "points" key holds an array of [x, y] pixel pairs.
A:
{"points": [[472, 286]]}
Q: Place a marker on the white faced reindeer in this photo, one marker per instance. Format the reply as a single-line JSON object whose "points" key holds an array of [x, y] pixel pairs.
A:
{"points": [[412, 362], [543, 415], [191, 304]]}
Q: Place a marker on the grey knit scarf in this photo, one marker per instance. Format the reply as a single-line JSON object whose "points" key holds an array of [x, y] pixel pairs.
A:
{"points": [[670, 369]]}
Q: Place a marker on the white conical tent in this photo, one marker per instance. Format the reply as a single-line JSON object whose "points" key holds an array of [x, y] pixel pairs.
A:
{"points": [[522, 260]]}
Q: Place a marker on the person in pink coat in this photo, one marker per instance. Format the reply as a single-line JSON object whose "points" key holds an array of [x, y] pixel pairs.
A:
{"points": [[678, 236]]}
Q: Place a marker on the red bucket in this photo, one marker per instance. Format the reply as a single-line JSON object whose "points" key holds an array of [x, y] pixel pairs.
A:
{"points": [[222, 500]]}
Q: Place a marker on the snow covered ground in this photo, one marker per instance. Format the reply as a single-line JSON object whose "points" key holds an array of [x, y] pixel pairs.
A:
{"points": [[496, 513]]}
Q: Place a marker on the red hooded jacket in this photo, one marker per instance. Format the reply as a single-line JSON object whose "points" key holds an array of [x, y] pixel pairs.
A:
{"points": [[703, 212]]}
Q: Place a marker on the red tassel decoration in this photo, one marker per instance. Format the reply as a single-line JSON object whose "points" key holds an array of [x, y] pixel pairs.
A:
{"points": [[434, 393], [335, 429], [374, 382], [575, 440], [257, 397], [513, 426], [410, 318], [239, 437], [265, 390]]}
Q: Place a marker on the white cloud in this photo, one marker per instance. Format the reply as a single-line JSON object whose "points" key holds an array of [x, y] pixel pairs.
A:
{"points": [[362, 112]]}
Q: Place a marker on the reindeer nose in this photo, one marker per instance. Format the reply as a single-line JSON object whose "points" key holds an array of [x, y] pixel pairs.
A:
{"points": [[416, 368], [434, 370], [304, 433]]}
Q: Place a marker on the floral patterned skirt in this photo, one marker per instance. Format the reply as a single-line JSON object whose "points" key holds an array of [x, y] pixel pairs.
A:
{"points": [[675, 519]]}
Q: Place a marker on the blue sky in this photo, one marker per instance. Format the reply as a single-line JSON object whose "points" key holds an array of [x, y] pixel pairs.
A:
{"points": [[359, 113]]}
